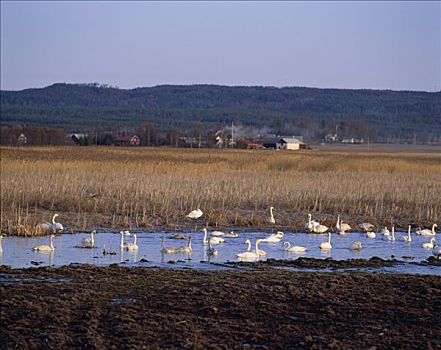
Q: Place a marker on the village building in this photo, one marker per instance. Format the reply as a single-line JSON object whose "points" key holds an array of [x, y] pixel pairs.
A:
{"points": [[127, 141], [290, 143], [22, 140]]}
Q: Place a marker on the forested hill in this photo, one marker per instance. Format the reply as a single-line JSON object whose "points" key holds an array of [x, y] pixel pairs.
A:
{"points": [[298, 110]]}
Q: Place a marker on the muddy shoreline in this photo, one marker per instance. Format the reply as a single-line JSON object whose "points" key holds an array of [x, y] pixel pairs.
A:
{"points": [[82, 306]]}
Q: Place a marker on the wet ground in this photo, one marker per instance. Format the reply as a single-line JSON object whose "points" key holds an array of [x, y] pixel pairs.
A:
{"points": [[84, 306]]}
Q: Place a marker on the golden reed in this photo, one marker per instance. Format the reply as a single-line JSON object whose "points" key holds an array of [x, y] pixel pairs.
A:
{"points": [[151, 187]]}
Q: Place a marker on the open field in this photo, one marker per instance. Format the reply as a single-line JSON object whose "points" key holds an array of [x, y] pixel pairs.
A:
{"points": [[146, 308], [150, 187]]}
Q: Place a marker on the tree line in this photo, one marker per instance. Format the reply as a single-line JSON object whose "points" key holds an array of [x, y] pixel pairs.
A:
{"points": [[377, 114]]}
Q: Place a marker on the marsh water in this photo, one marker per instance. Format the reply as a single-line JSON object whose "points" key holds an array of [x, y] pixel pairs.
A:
{"points": [[17, 251]]}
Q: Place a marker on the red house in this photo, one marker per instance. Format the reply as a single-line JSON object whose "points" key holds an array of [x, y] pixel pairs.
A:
{"points": [[127, 141]]}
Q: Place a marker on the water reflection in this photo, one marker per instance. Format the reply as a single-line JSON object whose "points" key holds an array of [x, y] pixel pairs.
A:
{"points": [[17, 251]]}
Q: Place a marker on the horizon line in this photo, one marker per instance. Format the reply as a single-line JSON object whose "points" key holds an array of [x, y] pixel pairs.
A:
{"points": [[110, 86]]}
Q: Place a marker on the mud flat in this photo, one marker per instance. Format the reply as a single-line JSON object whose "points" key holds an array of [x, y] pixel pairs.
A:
{"points": [[82, 306]]}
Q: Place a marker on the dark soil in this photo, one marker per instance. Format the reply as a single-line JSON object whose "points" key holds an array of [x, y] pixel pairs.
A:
{"points": [[374, 262], [91, 307]]}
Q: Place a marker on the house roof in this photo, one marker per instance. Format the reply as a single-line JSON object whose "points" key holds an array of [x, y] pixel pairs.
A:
{"points": [[290, 140]]}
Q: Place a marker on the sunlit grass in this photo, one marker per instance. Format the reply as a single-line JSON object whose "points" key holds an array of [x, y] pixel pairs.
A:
{"points": [[148, 187]]}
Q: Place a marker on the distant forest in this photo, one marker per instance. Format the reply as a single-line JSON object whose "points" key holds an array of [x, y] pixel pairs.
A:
{"points": [[381, 115]]}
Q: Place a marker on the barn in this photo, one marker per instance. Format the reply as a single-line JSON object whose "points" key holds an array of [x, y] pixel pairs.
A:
{"points": [[127, 141], [290, 143]]}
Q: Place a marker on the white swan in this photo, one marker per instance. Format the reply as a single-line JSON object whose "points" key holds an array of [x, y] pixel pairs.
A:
{"points": [[295, 249], [436, 251], [390, 238], [370, 234], [1, 247], [122, 244], [217, 233], [320, 228], [44, 227], [211, 250], [427, 232], [89, 242], [311, 223], [274, 238], [271, 219], [56, 226], [356, 246], [407, 238], [249, 254], [131, 246], [366, 226], [430, 244], [385, 231], [326, 245], [260, 251], [341, 226], [215, 240], [231, 234], [195, 214], [45, 248]]}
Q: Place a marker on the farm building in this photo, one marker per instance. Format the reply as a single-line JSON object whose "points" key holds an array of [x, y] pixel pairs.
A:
{"points": [[22, 140], [290, 143], [127, 141]]}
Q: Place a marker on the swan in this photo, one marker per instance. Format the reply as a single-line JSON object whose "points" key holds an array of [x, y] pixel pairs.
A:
{"points": [[44, 227], [370, 234], [385, 231], [132, 246], [427, 232], [326, 245], [311, 223], [56, 226], [215, 240], [390, 237], [211, 250], [274, 238], [342, 227], [1, 247], [295, 249], [407, 238], [217, 233], [271, 219], [90, 241], [183, 249], [231, 234], [436, 251], [195, 214], [356, 246], [320, 228], [260, 251], [249, 254], [122, 244], [45, 248], [177, 236], [430, 244], [366, 226]]}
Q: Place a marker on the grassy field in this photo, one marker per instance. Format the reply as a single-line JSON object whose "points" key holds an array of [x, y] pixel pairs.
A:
{"points": [[148, 187]]}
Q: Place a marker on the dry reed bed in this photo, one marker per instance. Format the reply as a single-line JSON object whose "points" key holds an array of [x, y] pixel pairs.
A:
{"points": [[144, 187]]}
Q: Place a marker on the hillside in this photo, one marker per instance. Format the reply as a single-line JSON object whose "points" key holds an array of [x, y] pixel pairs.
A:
{"points": [[308, 111]]}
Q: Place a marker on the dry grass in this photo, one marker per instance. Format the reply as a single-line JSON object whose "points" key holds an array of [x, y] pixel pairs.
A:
{"points": [[151, 187]]}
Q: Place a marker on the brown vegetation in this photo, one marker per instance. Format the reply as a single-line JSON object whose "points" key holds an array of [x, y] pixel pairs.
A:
{"points": [[153, 187]]}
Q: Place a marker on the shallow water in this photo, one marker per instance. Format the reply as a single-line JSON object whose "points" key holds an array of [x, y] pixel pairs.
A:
{"points": [[17, 251]]}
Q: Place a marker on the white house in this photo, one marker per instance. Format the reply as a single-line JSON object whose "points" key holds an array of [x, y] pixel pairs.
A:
{"points": [[291, 143]]}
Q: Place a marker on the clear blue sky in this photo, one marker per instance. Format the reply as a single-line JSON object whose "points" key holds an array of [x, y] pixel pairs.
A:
{"points": [[380, 45]]}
